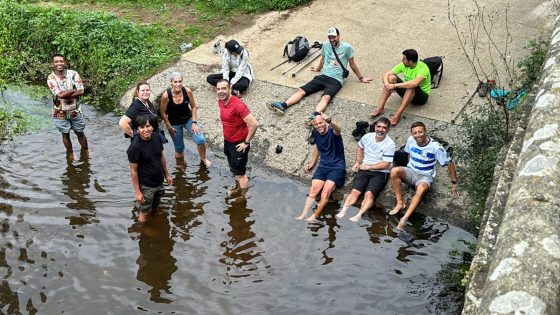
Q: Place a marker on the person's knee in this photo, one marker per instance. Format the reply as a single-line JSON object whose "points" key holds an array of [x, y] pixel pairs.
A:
{"points": [[355, 193], [368, 195], [199, 139], [396, 172], [326, 98], [300, 92], [422, 188], [392, 79]]}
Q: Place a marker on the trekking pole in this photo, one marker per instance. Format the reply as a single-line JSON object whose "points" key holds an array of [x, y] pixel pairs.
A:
{"points": [[278, 65], [297, 64], [305, 66]]}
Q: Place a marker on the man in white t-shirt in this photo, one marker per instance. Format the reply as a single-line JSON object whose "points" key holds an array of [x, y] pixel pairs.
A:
{"points": [[374, 157]]}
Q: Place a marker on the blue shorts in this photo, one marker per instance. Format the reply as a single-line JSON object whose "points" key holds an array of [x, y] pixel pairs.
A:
{"points": [[77, 124], [178, 140], [336, 175]]}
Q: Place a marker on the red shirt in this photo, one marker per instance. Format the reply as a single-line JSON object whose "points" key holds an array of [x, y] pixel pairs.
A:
{"points": [[232, 114]]}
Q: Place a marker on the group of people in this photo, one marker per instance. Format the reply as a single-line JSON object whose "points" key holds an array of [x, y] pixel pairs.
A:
{"points": [[374, 167], [374, 154], [337, 55]]}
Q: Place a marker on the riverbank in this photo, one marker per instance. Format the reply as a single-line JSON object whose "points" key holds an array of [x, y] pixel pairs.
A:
{"points": [[265, 41]]}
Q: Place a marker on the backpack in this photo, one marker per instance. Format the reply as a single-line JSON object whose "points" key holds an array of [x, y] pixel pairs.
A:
{"points": [[298, 49], [435, 64]]}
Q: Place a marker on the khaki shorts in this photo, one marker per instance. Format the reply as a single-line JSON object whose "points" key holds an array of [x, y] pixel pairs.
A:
{"points": [[413, 179], [152, 197]]}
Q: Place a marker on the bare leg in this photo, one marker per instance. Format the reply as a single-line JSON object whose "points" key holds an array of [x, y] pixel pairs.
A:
{"points": [[421, 190], [328, 188], [350, 200], [243, 181], [68, 145], [202, 154], [296, 97], [82, 140], [367, 203], [397, 176], [232, 192], [406, 100], [180, 156], [143, 217], [323, 103], [316, 186], [384, 97]]}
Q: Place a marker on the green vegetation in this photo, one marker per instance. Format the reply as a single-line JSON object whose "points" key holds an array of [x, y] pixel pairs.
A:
{"points": [[14, 121], [109, 52], [488, 130]]}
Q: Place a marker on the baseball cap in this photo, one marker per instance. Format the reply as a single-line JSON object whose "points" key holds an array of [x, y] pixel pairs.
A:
{"points": [[234, 46], [333, 31]]}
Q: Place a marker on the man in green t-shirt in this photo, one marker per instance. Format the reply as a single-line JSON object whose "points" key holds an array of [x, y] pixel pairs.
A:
{"points": [[414, 89], [330, 80]]}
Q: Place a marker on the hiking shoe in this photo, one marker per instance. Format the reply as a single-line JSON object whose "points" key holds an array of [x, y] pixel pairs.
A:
{"points": [[361, 130], [276, 106]]}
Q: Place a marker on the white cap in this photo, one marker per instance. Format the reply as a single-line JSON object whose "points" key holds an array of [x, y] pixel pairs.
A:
{"points": [[333, 31]]}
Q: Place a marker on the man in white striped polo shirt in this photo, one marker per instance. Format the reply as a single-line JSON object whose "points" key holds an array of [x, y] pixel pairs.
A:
{"points": [[423, 152]]}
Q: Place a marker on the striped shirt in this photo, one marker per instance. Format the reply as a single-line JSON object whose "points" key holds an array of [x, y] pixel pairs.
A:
{"points": [[423, 159]]}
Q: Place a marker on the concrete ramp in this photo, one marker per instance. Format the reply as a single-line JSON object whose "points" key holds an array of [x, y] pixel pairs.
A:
{"points": [[379, 30]]}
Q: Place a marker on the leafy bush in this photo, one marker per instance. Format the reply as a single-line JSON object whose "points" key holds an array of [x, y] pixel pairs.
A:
{"points": [[110, 54], [487, 131]]}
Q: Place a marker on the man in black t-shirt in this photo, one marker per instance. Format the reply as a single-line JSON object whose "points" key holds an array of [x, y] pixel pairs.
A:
{"points": [[147, 168]]}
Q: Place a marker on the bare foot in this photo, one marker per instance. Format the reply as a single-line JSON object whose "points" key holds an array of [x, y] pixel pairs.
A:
{"points": [[378, 111], [398, 208], [356, 218], [301, 217], [233, 192], [341, 214], [206, 162], [395, 120], [143, 217], [311, 218], [401, 224]]}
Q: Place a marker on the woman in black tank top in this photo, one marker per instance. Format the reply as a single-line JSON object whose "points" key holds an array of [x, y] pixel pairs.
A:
{"points": [[178, 111]]}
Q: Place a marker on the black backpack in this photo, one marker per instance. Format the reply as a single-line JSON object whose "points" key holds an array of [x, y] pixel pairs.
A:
{"points": [[436, 69], [298, 49]]}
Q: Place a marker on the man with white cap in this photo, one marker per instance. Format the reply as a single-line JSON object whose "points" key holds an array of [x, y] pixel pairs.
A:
{"points": [[334, 70]]}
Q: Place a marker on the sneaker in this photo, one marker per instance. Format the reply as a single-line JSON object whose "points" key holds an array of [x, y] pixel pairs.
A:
{"points": [[236, 93], [276, 106]]}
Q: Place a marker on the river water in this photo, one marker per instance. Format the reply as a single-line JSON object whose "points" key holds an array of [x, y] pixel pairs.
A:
{"points": [[69, 242]]}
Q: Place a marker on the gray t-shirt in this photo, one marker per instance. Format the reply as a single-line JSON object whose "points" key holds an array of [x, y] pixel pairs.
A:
{"points": [[331, 68]]}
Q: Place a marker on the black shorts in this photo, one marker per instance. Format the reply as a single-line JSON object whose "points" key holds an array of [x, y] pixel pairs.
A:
{"points": [[321, 82], [370, 181], [237, 160], [420, 97]]}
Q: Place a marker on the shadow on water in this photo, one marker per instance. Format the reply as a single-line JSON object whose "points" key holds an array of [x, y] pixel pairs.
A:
{"points": [[69, 242]]}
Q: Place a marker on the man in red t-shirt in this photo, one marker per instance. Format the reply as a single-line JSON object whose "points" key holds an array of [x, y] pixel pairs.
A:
{"points": [[239, 127]]}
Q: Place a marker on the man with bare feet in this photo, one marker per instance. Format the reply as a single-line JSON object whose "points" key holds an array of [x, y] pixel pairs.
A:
{"points": [[331, 79], [331, 171], [66, 86], [239, 127], [423, 152], [374, 156], [147, 169], [414, 89]]}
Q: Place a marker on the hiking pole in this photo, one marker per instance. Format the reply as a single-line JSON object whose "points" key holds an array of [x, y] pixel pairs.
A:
{"points": [[305, 66], [299, 62], [278, 65]]}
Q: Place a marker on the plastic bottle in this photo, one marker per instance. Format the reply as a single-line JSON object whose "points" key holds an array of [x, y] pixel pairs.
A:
{"points": [[184, 46]]}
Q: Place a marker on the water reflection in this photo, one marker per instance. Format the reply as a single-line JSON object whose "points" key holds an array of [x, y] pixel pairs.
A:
{"points": [[156, 264], [75, 185], [328, 220], [186, 204], [241, 254]]}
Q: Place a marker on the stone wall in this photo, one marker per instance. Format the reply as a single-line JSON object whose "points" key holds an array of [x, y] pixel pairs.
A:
{"points": [[517, 266]]}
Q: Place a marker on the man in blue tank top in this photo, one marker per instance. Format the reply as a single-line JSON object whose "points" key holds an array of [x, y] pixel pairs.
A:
{"points": [[331, 171], [420, 171]]}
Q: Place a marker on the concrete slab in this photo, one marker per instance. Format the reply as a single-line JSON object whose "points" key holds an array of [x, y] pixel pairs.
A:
{"points": [[379, 30], [378, 43]]}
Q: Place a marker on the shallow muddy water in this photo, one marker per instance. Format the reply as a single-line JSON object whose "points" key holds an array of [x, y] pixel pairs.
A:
{"points": [[69, 242]]}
